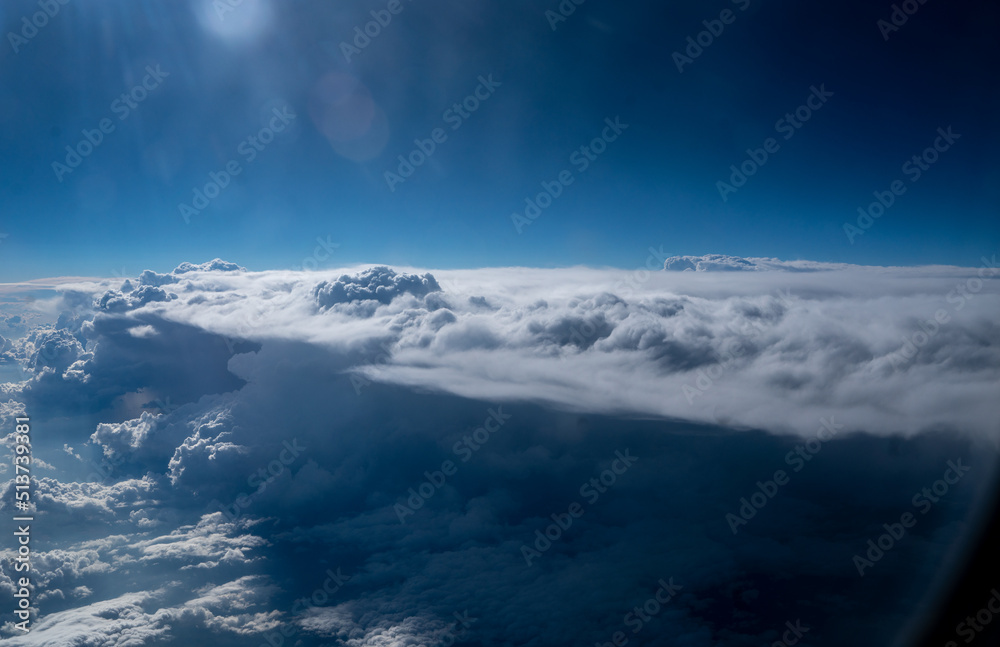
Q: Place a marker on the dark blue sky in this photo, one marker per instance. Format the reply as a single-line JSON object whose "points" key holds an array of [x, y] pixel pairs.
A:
{"points": [[221, 79]]}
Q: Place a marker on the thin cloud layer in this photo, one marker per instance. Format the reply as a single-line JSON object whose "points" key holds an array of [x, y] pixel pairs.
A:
{"points": [[727, 263]]}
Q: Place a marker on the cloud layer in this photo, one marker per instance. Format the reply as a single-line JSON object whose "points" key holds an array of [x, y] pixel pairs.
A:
{"points": [[893, 350], [362, 456]]}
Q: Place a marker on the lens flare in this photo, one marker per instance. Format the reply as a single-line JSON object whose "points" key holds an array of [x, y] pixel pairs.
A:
{"points": [[342, 108], [234, 20]]}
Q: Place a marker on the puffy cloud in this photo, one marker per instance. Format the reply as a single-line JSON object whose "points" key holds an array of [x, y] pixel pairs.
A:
{"points": [[193, 556], [51, 348], [89, 501], [124, 437], [209, 449], [726, 263], [154, 279], [379, 284], [216, 265], [120, 622], [148, 287], [149, 278], [12, 325], [305, 407], [6, 354], [709, 263], [771, 350], [82, 592], [127, 355], [203, 545], [400, 628], [766, 350], [115, 301], [128, 621]]}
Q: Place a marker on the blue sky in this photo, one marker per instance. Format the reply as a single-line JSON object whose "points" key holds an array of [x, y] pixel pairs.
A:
{"points": [[323, 175], [495, 148]]}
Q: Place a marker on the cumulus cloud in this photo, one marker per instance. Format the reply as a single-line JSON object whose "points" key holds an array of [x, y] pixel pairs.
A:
{"points": [[203, 545], [115, 301], [124, 437], [379, 284], [52, 349], [142, 618], [6, 356], [150, 613], [91, 501], [305, 407], [148, 287], [709, 263], [771, 350], [82, 592], [216, 265], [111, 623], [727, 263]]}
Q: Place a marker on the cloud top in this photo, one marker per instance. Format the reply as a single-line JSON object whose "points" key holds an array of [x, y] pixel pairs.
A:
{"points": [[380, 284], [895, 350], [258, 431], [727, 263]]}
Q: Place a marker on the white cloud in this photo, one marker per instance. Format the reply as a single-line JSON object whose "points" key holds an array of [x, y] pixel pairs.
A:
{"points": [[256, 361], [726, 263], [811, 343], [141, 618], [205, 544]]}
